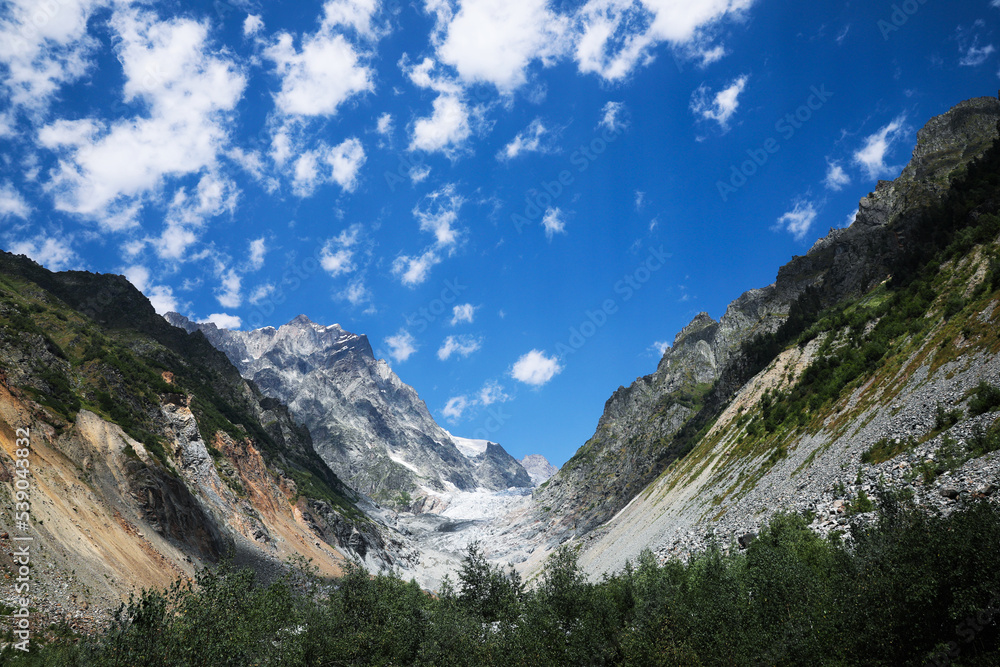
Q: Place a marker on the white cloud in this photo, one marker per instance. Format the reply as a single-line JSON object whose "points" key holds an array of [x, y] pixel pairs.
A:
{"points": [[252, 25], [722, 105], [976, 55], [12, 203], [438, 215], [385, 125], [640, 200], [401, 346], [553, 223], [229, 295], [495, 41], [353, 14], [413, 271], [357, 293], [465, 312], [260, 293], [799, 220], [660, 347], [319, 78], [454, 408], [616, 36], [445, 130], [532, 140], [258, 248], [186, 214], [339, 164], [461, 345], [836, 177], [53, 252], [854, 214], [535, 368], [223, 321], [871, 157], [611, 116], [160, 296], [188, 92], [43, 46], [337, 254], [492, 392]]}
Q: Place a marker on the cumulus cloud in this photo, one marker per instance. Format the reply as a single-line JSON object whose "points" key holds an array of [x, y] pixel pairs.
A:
{"points": [[445, 130], [357, 293], [799, 220], [229, 294], [53, 252], [401, 346], [321, 76], [455, 407], [535, 368], [871, 157], [438, 214], [44, 46], [460, 345], [160, 296], [612, 116], [223, 321], [616, 36], [495, 41], [660, 347], [492, 392], [337, 254], [721, 106], [339, 164], [553, 223], [261, 293], [836, 177], [384, 125], [12, 203], [414, 270], [258, 248], [188, 91], [463, 313], [252, 25], [534, 139]]}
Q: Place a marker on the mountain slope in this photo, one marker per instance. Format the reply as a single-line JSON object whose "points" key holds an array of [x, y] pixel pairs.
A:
{"points": [[150, 454], [372, 429], [662, 421]]}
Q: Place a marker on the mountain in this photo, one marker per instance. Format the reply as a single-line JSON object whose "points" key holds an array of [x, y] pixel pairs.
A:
{"points": [[877, 329], [370, 428], [149, 454], [539, 468]]}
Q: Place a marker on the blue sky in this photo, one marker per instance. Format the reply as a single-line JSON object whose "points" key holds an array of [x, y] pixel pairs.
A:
{"points": [[519, 202]]}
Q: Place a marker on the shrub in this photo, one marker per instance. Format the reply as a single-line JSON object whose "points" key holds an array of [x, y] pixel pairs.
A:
{"points": [[985, 398]]}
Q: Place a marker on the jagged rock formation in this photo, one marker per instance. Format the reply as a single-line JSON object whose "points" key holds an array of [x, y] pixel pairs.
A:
{"points": [[150, 454], [372, 429], [657, 419], [539, 468]]}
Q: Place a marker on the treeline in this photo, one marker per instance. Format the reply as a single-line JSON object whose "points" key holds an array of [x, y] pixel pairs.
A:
{"points": [[909, 589]]}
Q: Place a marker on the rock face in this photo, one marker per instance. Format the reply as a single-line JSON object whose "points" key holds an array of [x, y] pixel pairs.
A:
{"points": [[642, 429], [372, 429], [539, 468], [151, 455]]}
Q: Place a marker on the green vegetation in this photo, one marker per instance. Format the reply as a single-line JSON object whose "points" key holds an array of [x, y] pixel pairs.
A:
{"points": [[887, 448], [901, 594], [985, 398]]}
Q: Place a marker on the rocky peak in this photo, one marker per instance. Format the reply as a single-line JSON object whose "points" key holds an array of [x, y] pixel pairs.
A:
{"points": [[370, 427]]}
